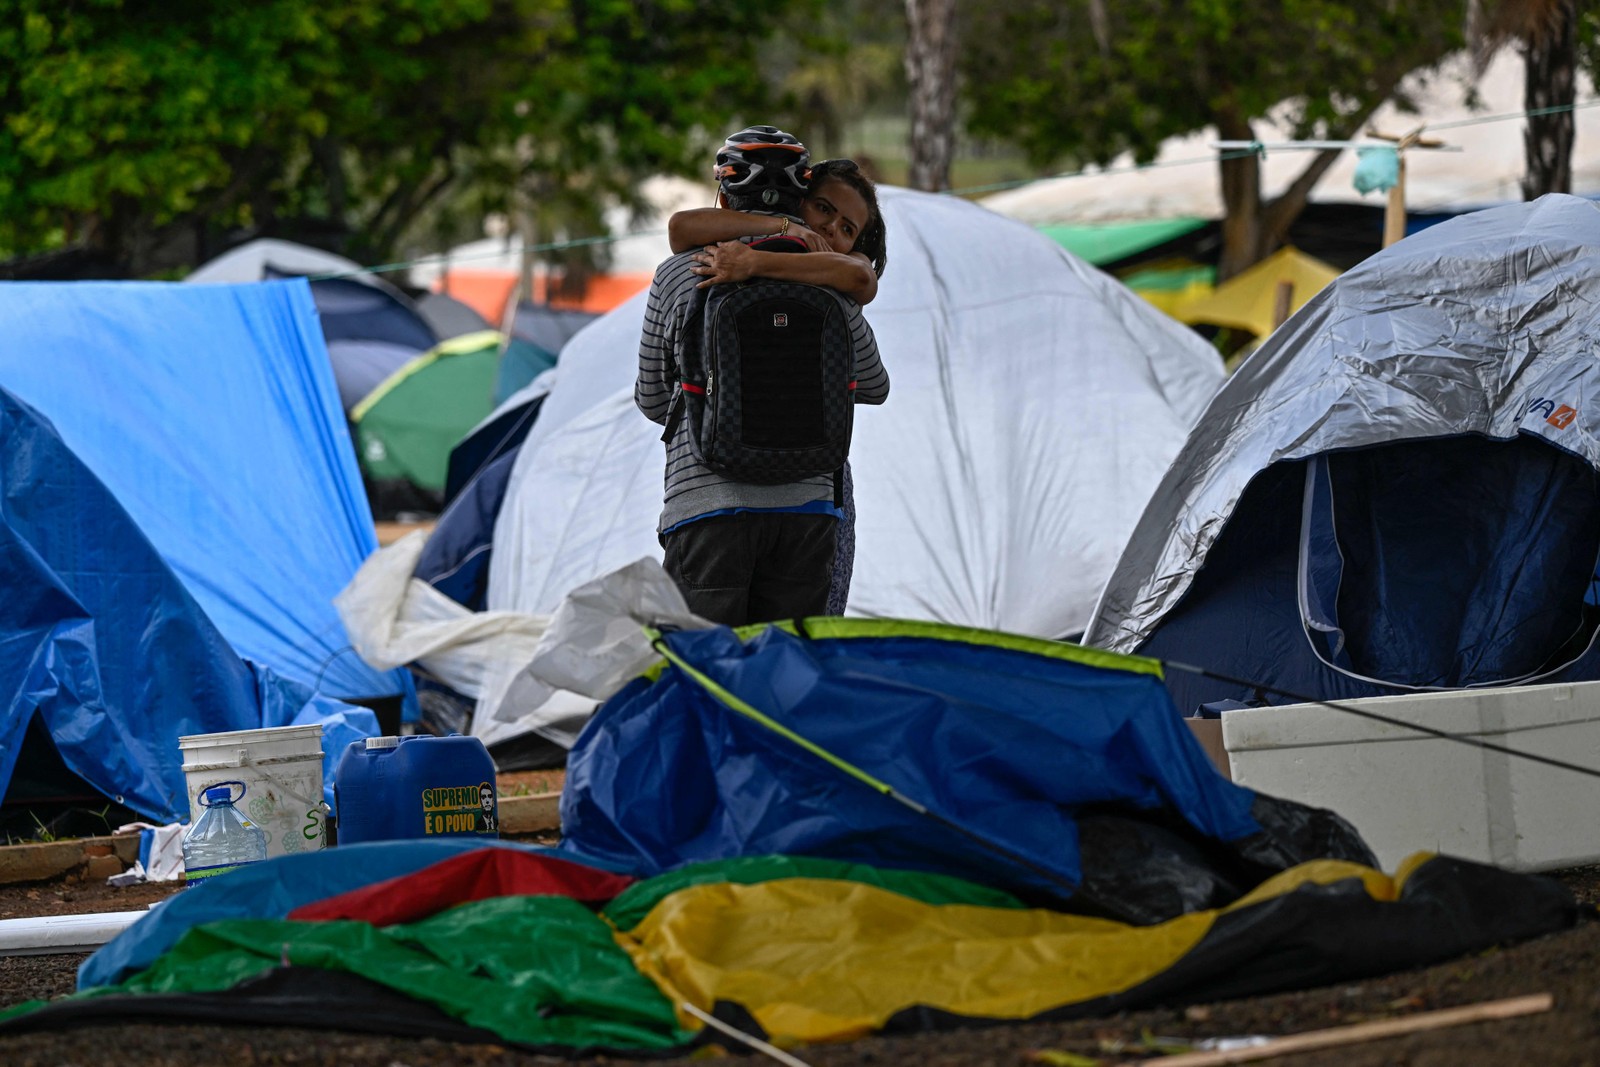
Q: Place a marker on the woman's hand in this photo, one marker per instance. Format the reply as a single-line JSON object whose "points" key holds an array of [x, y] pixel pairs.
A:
{"points": [[725, 261], [815, 242]]}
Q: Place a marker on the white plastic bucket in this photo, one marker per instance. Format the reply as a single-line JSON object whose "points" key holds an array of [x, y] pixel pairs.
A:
{"points": [[281, 768]]}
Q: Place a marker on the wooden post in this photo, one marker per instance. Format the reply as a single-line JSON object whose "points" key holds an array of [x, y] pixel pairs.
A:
{"points": [[1283, 303], [1394, 215]]}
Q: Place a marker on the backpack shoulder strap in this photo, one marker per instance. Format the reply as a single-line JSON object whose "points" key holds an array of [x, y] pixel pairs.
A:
{"points": [[686, 361]]}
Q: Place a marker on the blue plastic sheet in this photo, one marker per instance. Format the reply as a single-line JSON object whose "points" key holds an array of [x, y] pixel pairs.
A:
{"points": [[1006, 745], [269, 890], [104, 643], [210, 413]]}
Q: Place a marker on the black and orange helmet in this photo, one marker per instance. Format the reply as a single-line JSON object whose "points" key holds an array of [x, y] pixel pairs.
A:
{"points": [[763, 162]]}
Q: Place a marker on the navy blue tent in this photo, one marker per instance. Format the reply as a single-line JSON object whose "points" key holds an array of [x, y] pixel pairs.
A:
{"points": [[502, 433], [455, 559], [1436, 564], [1400, 490]]}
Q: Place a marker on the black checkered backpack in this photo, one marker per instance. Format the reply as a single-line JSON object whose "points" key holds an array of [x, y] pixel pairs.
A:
{"points": [[766, 374]]}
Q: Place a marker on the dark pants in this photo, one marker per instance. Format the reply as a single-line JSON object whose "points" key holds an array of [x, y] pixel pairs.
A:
{"points": [[753, 566], [844, 551]]}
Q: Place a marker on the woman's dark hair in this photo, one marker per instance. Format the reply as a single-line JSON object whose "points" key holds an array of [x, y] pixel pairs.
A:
{"points": [[873, 240]]}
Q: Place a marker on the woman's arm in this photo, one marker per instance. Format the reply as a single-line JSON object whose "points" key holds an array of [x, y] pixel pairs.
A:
{"points": [[735, 261], [700, 226]]}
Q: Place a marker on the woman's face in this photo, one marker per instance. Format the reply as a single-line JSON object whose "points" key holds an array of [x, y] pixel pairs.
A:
{"points": [[836, 211]]}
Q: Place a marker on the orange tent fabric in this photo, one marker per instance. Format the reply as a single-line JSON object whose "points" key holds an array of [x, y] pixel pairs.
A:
{"points": [[488, 291]]}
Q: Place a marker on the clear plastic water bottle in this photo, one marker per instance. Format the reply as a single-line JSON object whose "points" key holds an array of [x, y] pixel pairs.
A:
{"points": [[222, 838]]}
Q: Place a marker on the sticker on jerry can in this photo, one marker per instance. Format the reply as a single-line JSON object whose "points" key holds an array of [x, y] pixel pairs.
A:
{"points": [[460, 809]]}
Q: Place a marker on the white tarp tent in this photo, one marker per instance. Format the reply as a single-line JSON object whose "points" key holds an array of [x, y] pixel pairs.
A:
{"points": [[1182, 180], [1035, 404]]}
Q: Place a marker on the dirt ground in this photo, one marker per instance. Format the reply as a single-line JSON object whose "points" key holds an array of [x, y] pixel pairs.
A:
{"points": [[1566, 965]]}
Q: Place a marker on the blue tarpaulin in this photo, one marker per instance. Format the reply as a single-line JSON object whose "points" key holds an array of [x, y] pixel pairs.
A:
{"points": [[210, 413], [103, 641]]}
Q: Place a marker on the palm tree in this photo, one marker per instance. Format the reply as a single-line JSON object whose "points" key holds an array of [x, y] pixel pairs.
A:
{"points": [[1547, 33]]}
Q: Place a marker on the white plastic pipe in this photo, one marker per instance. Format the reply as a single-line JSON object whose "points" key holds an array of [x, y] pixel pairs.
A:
{"points": [[44, 935]]}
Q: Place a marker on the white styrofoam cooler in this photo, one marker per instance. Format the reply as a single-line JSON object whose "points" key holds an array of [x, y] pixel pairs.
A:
{"points": [[1407, 792]]}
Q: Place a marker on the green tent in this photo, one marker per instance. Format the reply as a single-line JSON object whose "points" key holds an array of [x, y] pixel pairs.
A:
{"points": [[1108, 242], [406, 427]]}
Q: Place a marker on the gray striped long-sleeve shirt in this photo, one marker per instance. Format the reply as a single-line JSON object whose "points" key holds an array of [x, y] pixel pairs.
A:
{"points": [[693, 490]]}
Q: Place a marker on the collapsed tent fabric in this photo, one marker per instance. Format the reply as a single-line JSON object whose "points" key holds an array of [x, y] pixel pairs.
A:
{"points": [[1035, 404], [878, 918], [104, 643], [1061, 773], [209, 413], [1399, 490], [527, 962]]}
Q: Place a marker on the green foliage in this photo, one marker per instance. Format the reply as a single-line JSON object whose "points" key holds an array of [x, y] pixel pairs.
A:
{"points": [[124, 119], [1588, 35], [847, 61], [1036, 74]]}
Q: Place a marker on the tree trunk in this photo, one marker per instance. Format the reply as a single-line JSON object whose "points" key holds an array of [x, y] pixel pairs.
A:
{"points": [[1244, 237], [330, 160], [1551, 83], [931, 74]]}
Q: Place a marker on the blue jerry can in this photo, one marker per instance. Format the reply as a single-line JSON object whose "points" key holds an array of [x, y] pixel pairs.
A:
{"points": [[393, 788]]}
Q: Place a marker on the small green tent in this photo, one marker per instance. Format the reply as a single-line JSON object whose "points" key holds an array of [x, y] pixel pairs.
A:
{"points": [[406, 427]]}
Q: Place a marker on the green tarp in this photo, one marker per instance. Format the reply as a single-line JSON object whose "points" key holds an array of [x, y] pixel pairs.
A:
{"points": [[1108, 242]]}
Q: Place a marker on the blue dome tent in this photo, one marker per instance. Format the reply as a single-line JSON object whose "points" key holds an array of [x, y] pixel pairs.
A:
{"points": [[1399, 491]]}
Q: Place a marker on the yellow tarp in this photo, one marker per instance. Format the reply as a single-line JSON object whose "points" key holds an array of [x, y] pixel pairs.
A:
{"points": [[1248, 301], [825, 960]]}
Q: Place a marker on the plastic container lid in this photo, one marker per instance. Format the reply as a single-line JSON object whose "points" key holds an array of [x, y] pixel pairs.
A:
{"points": [[382, 742], [219, 793]]}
